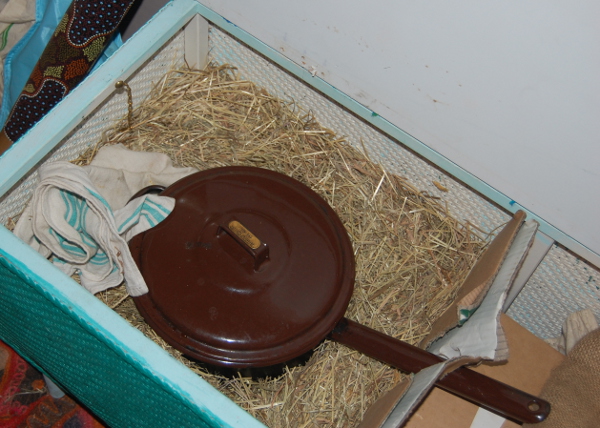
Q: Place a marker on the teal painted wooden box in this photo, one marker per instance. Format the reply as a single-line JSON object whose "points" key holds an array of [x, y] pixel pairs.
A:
{"points": [[85, 347], [89, 350]]}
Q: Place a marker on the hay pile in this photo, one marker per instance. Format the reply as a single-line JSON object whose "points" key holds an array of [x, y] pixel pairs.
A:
{"points": [[411, 255]]}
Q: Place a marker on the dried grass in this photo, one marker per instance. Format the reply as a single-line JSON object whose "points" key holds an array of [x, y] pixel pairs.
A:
{"points": [[411, 254]]}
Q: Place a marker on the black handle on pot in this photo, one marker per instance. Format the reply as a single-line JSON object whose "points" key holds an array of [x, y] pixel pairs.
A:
{"points": [[154, 188], [479, 389]]}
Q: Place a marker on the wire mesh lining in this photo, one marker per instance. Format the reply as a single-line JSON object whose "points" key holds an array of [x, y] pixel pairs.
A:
{"points": [[462, 203], [561, 285]]}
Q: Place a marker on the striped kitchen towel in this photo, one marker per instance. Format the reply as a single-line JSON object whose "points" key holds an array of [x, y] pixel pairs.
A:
{"points": [[71, 222]]}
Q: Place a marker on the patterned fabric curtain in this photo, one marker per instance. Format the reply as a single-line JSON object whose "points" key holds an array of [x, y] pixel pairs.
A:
{"points": [[78, 41]]}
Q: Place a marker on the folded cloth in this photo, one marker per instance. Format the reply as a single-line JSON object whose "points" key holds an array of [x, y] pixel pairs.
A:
{"points": [[119, 173], [70, 220]]}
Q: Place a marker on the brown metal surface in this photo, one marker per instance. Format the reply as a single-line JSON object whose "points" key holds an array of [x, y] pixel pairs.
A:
{"points": [[486, 392], [251, 269]]}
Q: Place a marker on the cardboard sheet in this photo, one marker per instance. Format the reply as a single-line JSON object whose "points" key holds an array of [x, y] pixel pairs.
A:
{"points": [[481, 335], [395, 407], [478, 281], [421, 384], [471, 330], [530, 363]]}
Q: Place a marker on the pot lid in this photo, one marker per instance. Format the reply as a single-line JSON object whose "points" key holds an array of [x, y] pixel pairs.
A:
{"points": [[251, 269]]}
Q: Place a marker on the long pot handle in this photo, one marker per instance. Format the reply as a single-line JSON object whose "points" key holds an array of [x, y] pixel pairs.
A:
{"points": [[495, 396]]}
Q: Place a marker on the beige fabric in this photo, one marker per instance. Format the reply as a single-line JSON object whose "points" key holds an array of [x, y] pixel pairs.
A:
{"points": [[573, 389], [16, 17], [577, 325]]}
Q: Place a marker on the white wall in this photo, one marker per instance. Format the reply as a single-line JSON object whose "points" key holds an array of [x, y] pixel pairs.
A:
{"points": [[506, 90]]}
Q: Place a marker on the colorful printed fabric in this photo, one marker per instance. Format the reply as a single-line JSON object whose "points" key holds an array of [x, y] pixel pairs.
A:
{"points": [[24, 401], [81, 36]]}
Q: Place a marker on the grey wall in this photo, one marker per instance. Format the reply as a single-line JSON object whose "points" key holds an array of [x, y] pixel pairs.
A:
{"points": [[507, 91]]}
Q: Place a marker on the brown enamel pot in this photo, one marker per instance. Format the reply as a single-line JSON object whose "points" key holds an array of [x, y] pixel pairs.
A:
{"points": [[253, 269]]}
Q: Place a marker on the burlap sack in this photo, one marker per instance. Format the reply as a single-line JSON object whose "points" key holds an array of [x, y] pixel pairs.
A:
{"points": [[573, 389]]}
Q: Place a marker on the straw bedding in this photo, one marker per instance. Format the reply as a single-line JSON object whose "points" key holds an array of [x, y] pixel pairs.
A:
{"points": [[411, 255]]}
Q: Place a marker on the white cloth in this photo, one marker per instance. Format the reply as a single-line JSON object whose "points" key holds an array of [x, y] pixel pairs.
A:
{"points": [[71, 220], [118, 173]]}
